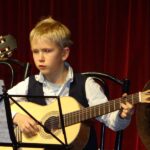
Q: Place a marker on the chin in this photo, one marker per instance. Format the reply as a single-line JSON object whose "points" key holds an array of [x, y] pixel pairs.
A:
{"points": [[44, 72]]}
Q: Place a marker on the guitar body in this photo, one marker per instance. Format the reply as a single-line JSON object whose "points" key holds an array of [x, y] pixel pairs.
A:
{"points": [[77, 134]]}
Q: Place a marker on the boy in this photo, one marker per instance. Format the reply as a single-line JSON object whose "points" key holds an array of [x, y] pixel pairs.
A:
{"points": [[50, 42]]}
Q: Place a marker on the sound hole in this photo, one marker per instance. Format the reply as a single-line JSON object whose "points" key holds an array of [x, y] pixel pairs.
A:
{"points": [[51, 124]]}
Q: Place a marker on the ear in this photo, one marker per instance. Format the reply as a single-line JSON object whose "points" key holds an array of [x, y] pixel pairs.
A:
{"points": [[65, 53]]}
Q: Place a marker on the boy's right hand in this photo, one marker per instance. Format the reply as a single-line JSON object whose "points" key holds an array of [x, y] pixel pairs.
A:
{"points": [[26, 124]]}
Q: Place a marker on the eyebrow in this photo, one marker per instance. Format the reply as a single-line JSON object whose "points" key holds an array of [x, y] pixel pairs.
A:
{"points": [[43, 49]]}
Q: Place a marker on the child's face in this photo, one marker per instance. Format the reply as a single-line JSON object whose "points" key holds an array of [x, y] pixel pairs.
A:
{"points": [[48, 56]]}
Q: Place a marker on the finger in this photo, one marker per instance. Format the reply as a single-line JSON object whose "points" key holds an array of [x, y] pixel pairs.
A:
{"points": [[29, 134], [124, 95], [126, 112], [34, 125], [126, 105], [129, 105], [28, 129], [123, 115], [130, 108], [123, 106]]}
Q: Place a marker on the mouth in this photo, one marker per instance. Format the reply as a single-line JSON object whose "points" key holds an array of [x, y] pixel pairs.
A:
{"points": [[42, 67]]}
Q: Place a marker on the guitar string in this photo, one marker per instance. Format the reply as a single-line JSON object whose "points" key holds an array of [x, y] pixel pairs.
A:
{"points": [[83, 112], [55, 122], [99, 107]]}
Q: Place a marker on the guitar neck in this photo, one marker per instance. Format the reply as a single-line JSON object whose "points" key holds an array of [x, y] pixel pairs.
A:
{"points": [[98, 110]]}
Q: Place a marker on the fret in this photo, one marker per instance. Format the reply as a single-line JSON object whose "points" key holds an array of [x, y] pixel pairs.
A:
{"points": [[86, 114], [114, 104], [103, 106], [79, 117], [118, 104], [103, 110], [99, 110], [106, 108], [66, 119], [90, 113], [109, 107], [94, 111], [82, 114], [73, 118], [136, 96], [132, 99], [69, 119]]}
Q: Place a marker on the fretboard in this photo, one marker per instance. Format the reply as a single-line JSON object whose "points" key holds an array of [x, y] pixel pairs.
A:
{"points": [[98, 110]]}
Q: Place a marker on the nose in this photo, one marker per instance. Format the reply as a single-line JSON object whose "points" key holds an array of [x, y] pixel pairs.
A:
{"points": [[41, 57]]}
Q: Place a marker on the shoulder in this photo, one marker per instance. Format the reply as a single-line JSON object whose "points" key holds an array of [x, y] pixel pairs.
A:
{"points": [[93, 86], [19, 87], [23, 84]]}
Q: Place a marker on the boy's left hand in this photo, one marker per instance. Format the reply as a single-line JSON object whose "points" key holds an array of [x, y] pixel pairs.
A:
{"points": [[127, 109]]}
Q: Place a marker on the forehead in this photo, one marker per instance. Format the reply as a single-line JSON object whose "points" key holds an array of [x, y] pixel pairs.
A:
{"points": [[41, 43]]}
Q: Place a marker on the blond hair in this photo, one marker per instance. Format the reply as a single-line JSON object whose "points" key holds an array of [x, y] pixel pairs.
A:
{"points": [[52, 30]]}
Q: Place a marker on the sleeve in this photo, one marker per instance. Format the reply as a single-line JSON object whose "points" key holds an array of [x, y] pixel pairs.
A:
{"points": [[20, 89], [95, 96]]}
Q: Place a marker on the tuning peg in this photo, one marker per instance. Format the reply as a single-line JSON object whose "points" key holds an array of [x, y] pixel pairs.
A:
{"points": [[2, 55], [9, 53], [7, 49], [2, 39]]}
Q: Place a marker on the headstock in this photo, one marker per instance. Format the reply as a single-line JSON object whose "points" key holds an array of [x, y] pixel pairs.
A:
{"points": [[145, 96], [7, 45]]}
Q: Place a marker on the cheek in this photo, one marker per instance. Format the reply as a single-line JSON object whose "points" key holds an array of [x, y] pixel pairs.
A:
{"points": [[54, 60], [35, 60], [57, 57]]}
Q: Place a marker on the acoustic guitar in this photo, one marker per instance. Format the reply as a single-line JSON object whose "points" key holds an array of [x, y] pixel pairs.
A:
{"points": [[74, 115]]}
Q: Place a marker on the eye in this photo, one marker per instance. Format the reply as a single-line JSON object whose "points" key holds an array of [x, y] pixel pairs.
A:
{"points": [[35, 51], [47, 50]]}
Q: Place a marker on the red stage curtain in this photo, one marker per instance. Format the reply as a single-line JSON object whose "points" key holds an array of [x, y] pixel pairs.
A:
{"points": [[111, 36]]}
